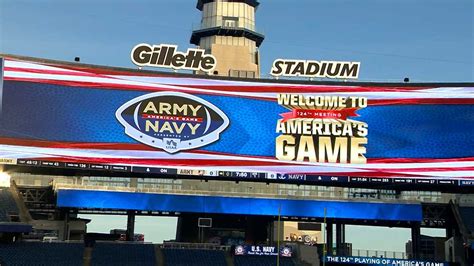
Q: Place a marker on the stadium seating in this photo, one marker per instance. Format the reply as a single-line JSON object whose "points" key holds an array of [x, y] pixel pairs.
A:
{"points": [[38, 253], [467, 215], [123, 254], [184, 257], [261, 261], [7, 204]]}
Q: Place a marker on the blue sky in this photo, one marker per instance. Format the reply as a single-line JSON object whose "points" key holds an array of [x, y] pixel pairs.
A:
{"points": [[426, 40]]}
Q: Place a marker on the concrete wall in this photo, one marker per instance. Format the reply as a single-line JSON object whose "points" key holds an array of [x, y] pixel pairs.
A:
{"points": [[231, 57]]}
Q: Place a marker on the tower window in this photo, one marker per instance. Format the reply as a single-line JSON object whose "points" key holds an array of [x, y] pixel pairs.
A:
{"points": [[230, 22]]}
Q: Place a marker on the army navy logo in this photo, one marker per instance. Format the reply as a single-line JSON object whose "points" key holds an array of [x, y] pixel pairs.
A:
{"points": [[239, 250], [172, 121], [286, 252]]}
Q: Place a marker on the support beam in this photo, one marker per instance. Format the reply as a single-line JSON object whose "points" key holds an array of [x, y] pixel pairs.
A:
{"points": [[329, 238], [415, 240], [343, 233], [339, 242], [130, 225], [66, 217], [179, 229]]}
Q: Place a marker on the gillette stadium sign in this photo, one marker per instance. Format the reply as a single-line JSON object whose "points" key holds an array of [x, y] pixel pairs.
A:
{"points": [[315, 69], [167, 56]]}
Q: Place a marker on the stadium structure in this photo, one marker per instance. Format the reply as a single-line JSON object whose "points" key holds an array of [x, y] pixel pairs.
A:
{"points": [[258, 171]]}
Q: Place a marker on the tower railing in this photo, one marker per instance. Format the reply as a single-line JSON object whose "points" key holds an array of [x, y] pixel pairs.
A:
{"points": [[226, 24]]}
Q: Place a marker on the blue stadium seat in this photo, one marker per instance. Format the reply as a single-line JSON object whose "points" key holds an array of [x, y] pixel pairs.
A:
{"points": [[42, 254], [261, 261], [7, 204], [193, 257], [123, 254], [467, 215]]}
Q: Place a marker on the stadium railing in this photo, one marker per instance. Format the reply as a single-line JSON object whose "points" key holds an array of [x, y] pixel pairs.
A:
{"points": [[182, 245], [282, 193], [379, 253]]}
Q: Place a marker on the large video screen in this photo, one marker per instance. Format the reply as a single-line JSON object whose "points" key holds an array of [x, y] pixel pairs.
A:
{"points": [[72, 116]]}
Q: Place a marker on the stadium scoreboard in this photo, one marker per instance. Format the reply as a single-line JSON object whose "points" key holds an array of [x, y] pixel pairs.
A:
{"points": [[245, 176], [109, 121]]}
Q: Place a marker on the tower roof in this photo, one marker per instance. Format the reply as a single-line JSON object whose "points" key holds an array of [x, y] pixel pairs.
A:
{"points": [[201, 3]]}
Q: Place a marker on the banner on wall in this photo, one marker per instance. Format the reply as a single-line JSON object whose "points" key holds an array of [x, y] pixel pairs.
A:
{"points": [[81, 117], [242, 250], [376, 261]]}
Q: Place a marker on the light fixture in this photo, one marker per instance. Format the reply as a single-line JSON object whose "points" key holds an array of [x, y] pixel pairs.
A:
{"points": [[4, 179]]}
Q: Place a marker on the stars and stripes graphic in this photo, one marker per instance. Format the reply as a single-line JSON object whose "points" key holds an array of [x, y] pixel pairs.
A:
{"points": [[135, 154]]}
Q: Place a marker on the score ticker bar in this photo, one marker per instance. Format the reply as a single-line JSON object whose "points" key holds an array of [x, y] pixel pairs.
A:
{"points": [[239, 175]]}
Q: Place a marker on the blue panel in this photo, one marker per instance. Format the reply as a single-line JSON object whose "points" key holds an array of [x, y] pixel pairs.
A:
{"points": [[395, 131], [15, 228], [231, 205]]}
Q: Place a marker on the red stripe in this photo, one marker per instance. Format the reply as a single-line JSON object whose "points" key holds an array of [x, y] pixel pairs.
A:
{"points": [[104, 146], [419, 160], [264, 87], [425, 169], [230, 163], [107, 71], [358, 174], [413, 101], [169, 162], [97, 70], [51, 72], [142, 147], [113, 86], [378, 174]]}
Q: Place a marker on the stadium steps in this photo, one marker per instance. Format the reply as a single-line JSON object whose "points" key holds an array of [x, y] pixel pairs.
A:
{"points": [[24, 214], [87, 256], [159, 255], [7, 205], [464, 218], [229, 259]]}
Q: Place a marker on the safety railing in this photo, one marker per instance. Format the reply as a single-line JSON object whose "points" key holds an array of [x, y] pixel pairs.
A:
{"points": [[245, 191], [379, 254], [180, 245]]}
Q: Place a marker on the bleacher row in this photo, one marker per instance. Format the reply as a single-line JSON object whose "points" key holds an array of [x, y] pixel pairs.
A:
{"points": [[261, 261], [39, 254], [71, 254]]}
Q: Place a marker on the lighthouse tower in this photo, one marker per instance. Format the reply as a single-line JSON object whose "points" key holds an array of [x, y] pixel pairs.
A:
{"points": [[227, 31]]}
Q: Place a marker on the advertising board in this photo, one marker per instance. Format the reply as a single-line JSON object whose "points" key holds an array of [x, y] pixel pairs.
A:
{"points": [[242, 250], [72, 116], [375, 261]]}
